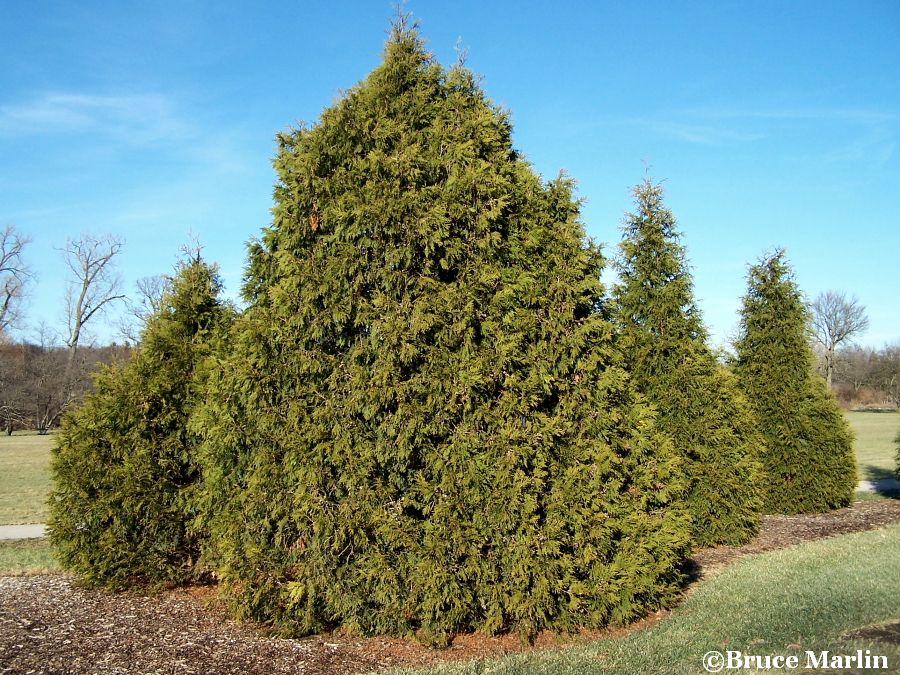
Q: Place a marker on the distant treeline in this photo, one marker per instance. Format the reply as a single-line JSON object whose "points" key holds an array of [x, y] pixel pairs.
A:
{"points": [[35, 387], [866, 376]]}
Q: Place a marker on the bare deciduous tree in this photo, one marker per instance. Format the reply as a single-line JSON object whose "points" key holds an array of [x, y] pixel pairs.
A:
{"points": [[13, 410], [888, 372], [93, 282], [855, 366], [92, 287], [14, 274], [49, 391], [867, 375], [150, 291], [836, 319]]}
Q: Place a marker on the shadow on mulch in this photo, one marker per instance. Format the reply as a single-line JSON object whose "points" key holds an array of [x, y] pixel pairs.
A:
{"points": [[889, 632]]}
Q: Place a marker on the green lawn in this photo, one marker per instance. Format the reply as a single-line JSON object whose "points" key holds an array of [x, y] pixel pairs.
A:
{"points": [[24, 478], [875, 450], [807, 597], [27, 556]]}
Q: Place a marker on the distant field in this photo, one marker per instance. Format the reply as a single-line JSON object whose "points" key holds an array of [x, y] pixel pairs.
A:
{"points": [[24, 478], [875, 450]]}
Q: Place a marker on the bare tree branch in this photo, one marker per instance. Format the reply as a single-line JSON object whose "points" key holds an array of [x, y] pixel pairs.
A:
{"points": [[93, 284], [14, 275], [836, 319], [150, 291]]}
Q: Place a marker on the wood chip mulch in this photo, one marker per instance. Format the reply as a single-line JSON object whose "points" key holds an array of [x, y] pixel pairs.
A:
{"points": [[49, 625], [782, 531]]}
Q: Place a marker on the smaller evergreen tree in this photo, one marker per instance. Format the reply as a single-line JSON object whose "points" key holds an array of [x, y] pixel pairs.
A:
{"points": [[897, 470], [124, 464], [665, 344], [809, 447]]}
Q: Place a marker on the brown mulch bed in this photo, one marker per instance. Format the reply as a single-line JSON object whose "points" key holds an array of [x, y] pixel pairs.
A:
{"points": [[47, 625], [888, 632], [782, 531]]}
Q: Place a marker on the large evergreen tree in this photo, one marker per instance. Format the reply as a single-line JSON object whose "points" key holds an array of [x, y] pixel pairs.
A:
{"points": [[424, 424], [665, 345], [808, 454], [125, 465]]}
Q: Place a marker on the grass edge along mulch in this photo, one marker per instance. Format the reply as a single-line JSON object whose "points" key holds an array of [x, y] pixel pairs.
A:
{"points": [[27, 557]]}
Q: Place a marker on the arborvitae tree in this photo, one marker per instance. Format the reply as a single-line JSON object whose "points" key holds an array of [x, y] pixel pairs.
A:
{"points": [[125, 465], [423, 425], [897, 470], [665, 346], [808, 446]]}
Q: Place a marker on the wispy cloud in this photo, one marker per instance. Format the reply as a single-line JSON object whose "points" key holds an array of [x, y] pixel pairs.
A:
{"points": [[855, 115], [137, 119], [700, 133], [116, 122], [853, 133], [877, 148]]}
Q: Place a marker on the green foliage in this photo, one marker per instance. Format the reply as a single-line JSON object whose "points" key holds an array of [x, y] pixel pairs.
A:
{"points": [[813, 596], [423, 425], [665, 346], [809, 447], [897, 470], [125, 464]]}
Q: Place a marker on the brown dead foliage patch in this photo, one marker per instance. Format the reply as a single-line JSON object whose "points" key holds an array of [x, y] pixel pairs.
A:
{"points": [[49, 625]]}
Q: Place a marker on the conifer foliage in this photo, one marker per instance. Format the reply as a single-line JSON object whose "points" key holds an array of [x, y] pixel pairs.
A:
{"points": [[423, 425], [809, 457], [125, 466], [897, 470], [665, 344]]}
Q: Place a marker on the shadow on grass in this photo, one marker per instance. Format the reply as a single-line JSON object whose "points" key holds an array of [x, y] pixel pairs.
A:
{"points": [[883, 480], [692, 571]]}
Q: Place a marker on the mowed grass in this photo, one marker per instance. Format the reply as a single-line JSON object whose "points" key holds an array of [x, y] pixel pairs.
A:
{"points": [[875, 450], [24, 478], [27, 556], [807, 597]]}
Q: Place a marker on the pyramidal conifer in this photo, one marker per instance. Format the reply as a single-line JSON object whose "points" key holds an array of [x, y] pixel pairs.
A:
{"points": [[808, 456], [665, 345], [423, 424], [124, 465]]}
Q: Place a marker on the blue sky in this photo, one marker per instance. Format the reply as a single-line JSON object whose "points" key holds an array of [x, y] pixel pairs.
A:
{"points": [[771, 123]]}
